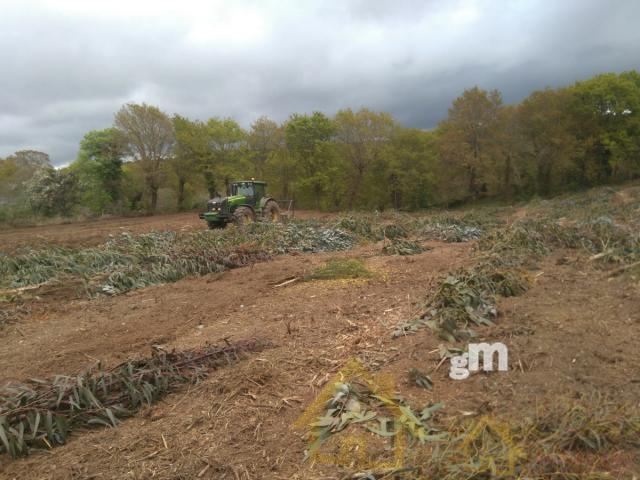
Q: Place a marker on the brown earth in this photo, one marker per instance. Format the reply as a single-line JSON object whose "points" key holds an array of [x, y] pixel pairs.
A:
{"points": [[573, 333]]}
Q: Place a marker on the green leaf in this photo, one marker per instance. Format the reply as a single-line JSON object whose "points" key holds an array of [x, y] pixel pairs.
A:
{"points": [[427, 412], [112, 418], [382, 431], [364, 417], [3, 436]]}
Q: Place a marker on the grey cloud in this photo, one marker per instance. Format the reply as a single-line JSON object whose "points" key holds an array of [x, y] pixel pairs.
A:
{"points": [[68, 67]]}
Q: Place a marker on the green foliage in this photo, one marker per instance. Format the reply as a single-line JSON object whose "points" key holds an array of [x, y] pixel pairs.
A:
{"points": [[99, 170], [264, 139], [307, 138], [361, 136], [227, 159], [190, 156], [405, 174], [606, 109]]}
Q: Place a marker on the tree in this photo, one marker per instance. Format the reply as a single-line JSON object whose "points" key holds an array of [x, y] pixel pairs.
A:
{"points": [[8, 169], [508, 153], [32, 159], [17, 169], [149, 137], [226, 140], [264, 138], [191, 151], [606, 111], [546, 138], [362, 135], [280, 172], [468, 135], [409, 170], [307, 138], [52, 192], [99, 168]]}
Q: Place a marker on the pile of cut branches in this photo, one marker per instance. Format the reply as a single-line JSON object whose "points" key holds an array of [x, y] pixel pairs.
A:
{"points": [[467, 296], [451, 230], [373, 227], [354, 403], [589, 439], [43, 413], [562, 442], [400, 246], [464, 298], [126, 262]]}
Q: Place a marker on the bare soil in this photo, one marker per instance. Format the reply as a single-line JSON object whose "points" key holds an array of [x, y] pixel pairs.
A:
{"points": [[573, 333]]}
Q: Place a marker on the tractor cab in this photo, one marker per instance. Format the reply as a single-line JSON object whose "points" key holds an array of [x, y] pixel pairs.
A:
{"points": [[251, 190]]}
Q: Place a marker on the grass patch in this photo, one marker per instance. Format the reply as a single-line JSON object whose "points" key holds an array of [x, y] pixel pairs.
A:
{"points": [[341, 269]]}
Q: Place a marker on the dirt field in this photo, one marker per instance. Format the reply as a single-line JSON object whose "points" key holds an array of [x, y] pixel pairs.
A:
{"points": [[573, 333]]}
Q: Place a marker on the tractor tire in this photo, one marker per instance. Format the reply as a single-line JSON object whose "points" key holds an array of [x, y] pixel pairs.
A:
{"points": [[271, 212], [243, 216], [215, 225]]}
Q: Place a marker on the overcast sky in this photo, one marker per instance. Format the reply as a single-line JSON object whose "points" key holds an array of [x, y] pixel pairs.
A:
{"points": [[67, 66]]}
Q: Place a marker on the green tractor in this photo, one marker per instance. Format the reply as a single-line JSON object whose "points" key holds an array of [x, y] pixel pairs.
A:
{"points": [[248, 202]]}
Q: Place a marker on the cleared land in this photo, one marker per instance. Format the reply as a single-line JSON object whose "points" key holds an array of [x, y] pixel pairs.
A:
{"points": [[572, 339]]}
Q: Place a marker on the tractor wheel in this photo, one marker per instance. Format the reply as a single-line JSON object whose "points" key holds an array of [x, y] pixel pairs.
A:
{"points": [[215, 225], [242, 216], [271, 212]]}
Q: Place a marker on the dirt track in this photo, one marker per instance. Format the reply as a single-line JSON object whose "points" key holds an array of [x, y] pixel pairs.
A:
{"points": [[573, 332]]}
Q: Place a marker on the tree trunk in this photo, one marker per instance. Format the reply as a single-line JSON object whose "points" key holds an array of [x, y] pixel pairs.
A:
{"points": [[181, 183], [209, 179], [355, 186], [473, 187], [544, 177], [154, 198], [318, 193], [508, 178]]}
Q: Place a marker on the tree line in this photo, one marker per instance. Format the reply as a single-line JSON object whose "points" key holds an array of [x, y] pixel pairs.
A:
{"points": [[555, 140]]}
